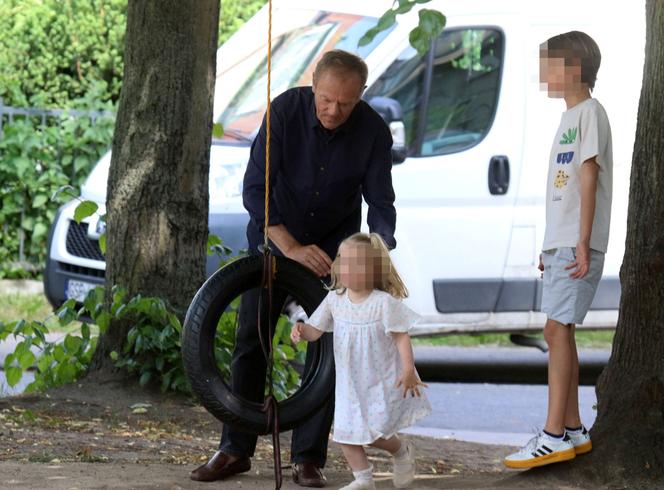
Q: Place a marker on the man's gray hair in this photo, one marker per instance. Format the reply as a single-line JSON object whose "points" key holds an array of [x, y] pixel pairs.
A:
{"points": [[343, 61]]}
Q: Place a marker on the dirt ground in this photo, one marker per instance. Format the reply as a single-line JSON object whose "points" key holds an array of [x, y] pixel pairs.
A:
{"points": [[98, 434]]}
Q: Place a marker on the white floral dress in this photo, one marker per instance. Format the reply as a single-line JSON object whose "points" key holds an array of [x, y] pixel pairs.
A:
{"points": [[368, 405]]}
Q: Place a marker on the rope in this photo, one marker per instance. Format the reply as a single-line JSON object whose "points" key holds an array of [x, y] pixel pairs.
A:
{"points": [[270, 405]]}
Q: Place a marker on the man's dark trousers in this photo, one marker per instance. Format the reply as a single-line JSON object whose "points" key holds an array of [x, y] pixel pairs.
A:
{"points": [[248, 371]]}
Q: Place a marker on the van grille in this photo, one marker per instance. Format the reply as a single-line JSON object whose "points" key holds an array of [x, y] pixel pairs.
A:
{"points": [[84, 271], [80, 245]]}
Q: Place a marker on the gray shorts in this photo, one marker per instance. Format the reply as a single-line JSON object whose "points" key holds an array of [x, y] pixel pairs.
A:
{"points": [[564, 299]]}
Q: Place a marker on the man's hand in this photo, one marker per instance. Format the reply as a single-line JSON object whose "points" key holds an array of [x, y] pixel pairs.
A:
{"points": [[312, 257], [582, 262], [410, 383], [296, 332]]}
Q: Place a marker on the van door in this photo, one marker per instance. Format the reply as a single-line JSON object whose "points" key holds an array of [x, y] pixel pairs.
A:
{"points": [[455, 192]]}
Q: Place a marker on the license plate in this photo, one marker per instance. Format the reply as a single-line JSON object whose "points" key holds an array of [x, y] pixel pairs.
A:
{"points": [[78, 290]]}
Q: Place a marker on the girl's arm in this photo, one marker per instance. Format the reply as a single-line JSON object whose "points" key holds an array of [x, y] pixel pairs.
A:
{"points": [[304, 331], [408, 377]]}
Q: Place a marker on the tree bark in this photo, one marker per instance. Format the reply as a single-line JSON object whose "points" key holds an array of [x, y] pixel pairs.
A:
{"points": [[158, 198]]}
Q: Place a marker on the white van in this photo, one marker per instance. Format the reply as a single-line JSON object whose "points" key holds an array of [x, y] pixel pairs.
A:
{"points": [[470, 182]]}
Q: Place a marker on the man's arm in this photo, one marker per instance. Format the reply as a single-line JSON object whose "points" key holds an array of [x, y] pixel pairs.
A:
{"points": [[310, 256], [589, 175], [378, 191]]}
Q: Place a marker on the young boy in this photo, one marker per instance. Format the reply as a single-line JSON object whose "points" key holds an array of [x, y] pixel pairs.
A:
{"points": [[578, 209]]}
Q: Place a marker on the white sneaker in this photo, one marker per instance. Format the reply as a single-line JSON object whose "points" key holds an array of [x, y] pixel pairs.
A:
{"points": [[541, 450], [403, 472], [360, 485], [581, 441]]}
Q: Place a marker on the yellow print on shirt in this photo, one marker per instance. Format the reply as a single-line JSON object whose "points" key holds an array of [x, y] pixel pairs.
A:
{"points": [[561, 179]]}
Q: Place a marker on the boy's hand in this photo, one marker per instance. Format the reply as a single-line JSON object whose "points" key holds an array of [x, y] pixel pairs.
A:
{"points": [[541, 266], [410, 382], [296, 332], [582, 262]]}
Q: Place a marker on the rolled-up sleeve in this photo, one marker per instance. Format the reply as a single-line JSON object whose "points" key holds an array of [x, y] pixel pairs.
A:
{"points": [[378, 191], [253, 190]]}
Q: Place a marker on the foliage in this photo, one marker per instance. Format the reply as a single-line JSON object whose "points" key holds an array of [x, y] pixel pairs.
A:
{"points": [[152, 351], [36, 161], [53, 51], [430, 25]]}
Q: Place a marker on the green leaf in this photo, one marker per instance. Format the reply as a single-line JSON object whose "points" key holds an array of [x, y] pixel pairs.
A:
{"points": [[73, 344], [13, 375], [102, 243], [59, 353], [39, 200], [431, 22], [217, 130], [145, 378], [26, 359], [103, 320], [9, 360], [85, 209], [113, 355], [419, 40]]}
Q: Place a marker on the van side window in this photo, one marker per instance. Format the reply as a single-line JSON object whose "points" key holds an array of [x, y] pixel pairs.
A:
{"points": [[449, 96]]}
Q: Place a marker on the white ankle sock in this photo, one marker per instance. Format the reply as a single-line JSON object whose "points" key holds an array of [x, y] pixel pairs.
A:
{"points": [[402, 452], [364, 475]]}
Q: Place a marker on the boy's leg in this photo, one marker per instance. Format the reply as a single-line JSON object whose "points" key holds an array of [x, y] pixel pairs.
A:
{"points": [[557, 337], [572, 416]]}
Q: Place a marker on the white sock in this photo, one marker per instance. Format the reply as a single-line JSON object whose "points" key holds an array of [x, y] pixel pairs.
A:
{"points": [[364, 475], [402, 452], [574, 431]]}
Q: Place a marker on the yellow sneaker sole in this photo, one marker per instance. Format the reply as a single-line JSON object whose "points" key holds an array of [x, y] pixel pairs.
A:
{"points": [[556, 457], [584, 448]]}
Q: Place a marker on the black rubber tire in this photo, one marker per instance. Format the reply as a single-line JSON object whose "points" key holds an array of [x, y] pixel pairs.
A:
{"points": [[198, 334]]}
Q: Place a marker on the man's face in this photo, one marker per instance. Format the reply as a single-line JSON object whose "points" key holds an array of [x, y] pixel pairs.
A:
{"points": [[335, 96]]}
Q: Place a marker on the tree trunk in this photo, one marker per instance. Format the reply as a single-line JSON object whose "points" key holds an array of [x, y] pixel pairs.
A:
{"points": [[628, 435], [157, 204]]}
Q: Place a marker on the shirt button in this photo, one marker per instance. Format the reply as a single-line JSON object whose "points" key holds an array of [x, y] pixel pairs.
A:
{"points": [[322, 167], [311, 214], [317, 193], [307, 235]]}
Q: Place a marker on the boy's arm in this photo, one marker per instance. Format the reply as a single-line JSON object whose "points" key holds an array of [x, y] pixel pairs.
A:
{"points": [[589, 175]]}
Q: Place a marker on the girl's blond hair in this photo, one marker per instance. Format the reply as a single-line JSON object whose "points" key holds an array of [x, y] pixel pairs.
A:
{"points": [[385, 278]]}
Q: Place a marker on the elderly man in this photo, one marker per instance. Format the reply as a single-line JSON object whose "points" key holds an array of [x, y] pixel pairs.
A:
{"points": [[328, 149]]}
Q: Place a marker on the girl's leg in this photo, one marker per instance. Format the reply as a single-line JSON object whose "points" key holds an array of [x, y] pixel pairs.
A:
{"points": [[557, 337], [391, 445], [356, 457], [572, 417]]}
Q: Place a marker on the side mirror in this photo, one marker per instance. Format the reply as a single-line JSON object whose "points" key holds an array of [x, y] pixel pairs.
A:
{"points": [[392, 113]]}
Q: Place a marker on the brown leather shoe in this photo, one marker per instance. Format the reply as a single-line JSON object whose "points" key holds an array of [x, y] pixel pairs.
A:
{"points": [[308, 475], [220, 467]]}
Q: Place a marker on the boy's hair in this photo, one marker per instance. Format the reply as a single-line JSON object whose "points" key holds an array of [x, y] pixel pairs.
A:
{"points": [[338, 59], [386, 277], [577, 48]]}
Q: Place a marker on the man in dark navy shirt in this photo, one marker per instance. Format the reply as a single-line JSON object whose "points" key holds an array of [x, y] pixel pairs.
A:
{"points": [[328, 149]]}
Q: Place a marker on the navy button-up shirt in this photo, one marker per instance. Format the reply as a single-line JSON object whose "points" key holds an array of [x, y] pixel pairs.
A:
{"points": [[318, 177]]}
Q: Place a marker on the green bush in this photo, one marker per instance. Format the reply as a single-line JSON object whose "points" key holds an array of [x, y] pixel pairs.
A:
{"points": [[152, 351], [35, 161]]}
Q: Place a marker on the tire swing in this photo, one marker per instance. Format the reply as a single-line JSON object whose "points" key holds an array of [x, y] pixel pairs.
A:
{"points": [[215, 296]]}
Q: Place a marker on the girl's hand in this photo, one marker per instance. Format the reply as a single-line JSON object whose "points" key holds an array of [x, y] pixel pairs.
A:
{"points": [[296, 332], [410, 382]]}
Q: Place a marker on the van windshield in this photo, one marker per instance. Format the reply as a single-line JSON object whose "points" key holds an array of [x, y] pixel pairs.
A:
{"points": [[295, 53]]}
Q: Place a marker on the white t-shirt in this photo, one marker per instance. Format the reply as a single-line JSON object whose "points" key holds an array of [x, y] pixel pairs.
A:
{"points": [[584, 132]]}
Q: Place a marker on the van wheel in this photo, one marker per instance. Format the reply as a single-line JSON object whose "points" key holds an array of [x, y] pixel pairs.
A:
{"points": [[198, 337]]}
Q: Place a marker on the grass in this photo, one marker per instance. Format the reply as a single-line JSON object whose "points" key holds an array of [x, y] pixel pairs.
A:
{"points": [[36, 307], [600, 339], [30, 307]]}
